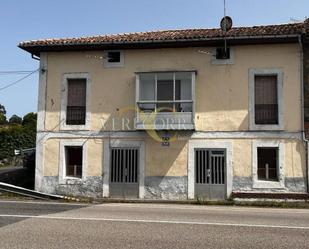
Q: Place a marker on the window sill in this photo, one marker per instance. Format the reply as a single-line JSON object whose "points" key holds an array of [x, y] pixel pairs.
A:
{"points": [[255, 127], [260, 184], [75, 127], [222, 62], [71, 181]]}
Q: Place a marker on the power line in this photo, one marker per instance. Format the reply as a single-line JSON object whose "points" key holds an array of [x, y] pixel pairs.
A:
{"points": [[19, 80], [15, 72]]}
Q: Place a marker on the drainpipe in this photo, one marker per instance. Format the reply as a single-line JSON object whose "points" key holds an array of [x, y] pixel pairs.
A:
{"points": [[303, 110], [35, 57]]}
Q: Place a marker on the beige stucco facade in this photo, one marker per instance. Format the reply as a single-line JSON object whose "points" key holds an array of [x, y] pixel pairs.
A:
{"points": [[221, 112], [221, 90], [172, 161]]}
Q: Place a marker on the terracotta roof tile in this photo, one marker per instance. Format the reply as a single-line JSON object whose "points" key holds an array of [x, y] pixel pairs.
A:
{"points": [[173, 35]]}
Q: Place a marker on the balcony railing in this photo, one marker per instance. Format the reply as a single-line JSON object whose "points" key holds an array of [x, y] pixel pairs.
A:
{"points": [[162, 115], [266, 114], [76, 115]]}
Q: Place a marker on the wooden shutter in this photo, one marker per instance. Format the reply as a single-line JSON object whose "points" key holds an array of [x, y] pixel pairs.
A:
{"points": [[266, 100], [76, 104], [76, 92]]}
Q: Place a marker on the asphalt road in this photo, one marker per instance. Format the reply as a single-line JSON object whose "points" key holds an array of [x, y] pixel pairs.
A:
{"points": [[54, 225]]}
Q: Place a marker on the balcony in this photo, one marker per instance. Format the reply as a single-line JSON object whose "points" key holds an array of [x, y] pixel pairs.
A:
{"points": [[165, 100]]}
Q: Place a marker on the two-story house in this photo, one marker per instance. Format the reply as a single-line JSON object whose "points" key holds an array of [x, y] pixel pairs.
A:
{"points": [[174, 114]]}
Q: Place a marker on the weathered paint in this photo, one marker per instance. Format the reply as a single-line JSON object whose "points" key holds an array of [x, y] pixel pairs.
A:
{"points": [[222, 104], [221, 90], [170, 163]]}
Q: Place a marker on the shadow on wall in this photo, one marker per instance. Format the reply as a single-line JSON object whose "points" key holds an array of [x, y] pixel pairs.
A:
{"points": [[224, 107]]}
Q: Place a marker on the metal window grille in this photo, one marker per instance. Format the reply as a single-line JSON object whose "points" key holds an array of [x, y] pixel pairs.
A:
{"points": [[124, 165], [76, 105], [266, 100], [210, 166]]}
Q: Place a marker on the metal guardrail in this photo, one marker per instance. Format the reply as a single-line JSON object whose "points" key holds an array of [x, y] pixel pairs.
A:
{"points": [[32, 193]]}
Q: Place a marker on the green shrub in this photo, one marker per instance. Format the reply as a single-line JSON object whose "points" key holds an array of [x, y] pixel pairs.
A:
{"points": [[15, 137], [15, 119]]}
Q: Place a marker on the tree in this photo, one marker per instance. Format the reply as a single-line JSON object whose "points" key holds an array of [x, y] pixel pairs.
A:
{"points": [[2, 119], [30, 120], [2, 115], [15, 119], [2, 109]]}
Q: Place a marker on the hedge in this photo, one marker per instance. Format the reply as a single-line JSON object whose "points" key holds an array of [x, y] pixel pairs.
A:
{"points": [[15, 137]]}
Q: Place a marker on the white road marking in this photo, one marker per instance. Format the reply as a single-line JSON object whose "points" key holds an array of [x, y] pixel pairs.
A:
{"points": [[47, 203], [156, 221]]}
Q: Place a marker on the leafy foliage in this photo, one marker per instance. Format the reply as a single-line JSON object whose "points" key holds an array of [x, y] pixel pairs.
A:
{"points": [[2, 109], [2, 119], [30, 119], [17, 136], [15, 119]]}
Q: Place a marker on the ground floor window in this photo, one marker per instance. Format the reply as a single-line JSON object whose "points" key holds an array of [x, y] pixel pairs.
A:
{"points": [[267, 163], [74, 161]]}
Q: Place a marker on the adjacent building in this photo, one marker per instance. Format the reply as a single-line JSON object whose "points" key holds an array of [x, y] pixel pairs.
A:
{"points": [[175, 114]]}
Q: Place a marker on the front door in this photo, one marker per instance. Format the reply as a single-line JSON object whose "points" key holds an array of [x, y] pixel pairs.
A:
{"points": [[124, 172], [210, 173]]}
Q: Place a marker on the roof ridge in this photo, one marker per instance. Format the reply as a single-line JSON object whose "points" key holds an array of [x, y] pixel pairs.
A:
{"points": [[155, 31]]}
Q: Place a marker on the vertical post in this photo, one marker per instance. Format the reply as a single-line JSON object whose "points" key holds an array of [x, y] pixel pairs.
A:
{"points": [[137, 97], [39, 157], [193, 96], [267, 171], [174, 91], [156, 90]]}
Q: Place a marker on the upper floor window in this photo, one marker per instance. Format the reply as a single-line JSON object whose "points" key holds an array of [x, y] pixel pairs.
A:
{"points": [[222, 53], [114, 58], [165, 92], [266, 99], [76, 102], [222, 56], [165, 100]]}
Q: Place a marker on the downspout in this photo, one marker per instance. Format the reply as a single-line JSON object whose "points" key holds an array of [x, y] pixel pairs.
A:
{"points": [[306, 141], [35, 57]]}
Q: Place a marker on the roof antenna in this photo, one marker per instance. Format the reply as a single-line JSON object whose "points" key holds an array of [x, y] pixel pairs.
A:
{"points": [[225, 24]]}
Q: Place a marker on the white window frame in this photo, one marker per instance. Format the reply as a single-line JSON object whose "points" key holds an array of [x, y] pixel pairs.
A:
{"points": [[118, 143], [261, 184], [64, 101], [63, 178], [230, 61], [266, 72], [137, 98], [113, 64]]}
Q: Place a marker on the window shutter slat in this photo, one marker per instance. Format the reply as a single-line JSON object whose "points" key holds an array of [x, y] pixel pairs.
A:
{"points": [[76, 92], [76, 102], [266, 100]]}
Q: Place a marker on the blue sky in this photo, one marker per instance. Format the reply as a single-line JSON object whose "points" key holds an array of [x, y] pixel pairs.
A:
{"points": [[33, 19]]}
